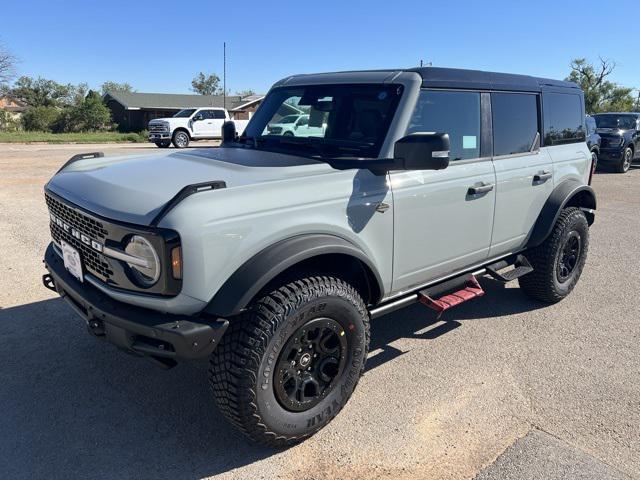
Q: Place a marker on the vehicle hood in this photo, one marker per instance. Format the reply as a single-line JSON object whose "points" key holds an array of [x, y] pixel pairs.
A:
{"points": [[134, 189], [611, 132], [172, 120]]}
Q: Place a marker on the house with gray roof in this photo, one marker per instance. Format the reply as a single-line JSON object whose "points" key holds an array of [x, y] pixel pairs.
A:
{"points": [[132, 111]]}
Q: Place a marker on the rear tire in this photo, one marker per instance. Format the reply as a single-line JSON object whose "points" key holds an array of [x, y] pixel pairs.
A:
{"points": [[625, 162], [558, 262], [319, 325], [180, 139]]}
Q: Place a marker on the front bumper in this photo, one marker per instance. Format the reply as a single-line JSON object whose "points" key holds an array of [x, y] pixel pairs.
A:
{"points": [[610, 154], [161, 336], [157, 137]]}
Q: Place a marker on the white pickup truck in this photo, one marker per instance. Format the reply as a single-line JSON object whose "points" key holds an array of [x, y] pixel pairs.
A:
{"points": [[190, 124]]}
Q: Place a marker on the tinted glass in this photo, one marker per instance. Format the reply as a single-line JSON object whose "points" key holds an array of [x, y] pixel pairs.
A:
{"points": [[185, 113], [591, 125], [289, 119], [218, 114], [455, 113], [613, 120], [515, 122], [562, 119], [206, 114]]}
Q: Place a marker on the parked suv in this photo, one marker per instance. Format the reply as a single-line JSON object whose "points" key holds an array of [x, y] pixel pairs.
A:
{"points": [[593, 139], [620, 134], [187, 125], [270, 255]]}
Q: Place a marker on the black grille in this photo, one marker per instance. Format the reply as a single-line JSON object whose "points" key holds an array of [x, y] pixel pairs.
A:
{"points": [[94, 262], [93, 228]]}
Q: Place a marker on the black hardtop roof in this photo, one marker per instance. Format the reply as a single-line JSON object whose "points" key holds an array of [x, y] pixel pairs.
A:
{"points": [[458, 78], [437, 77]]}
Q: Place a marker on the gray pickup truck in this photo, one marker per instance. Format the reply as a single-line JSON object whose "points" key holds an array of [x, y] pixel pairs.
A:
{"points": [[269, 255]]}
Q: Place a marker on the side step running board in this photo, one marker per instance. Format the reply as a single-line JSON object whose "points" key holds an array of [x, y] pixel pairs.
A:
{"points": [[461, 290], [521, 264]]}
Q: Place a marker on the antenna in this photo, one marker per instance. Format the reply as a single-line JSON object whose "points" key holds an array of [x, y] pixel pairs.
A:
{"points": [[224, 75]]}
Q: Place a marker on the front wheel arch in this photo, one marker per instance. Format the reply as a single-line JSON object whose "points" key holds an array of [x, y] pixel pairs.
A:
{"points": [[313, 254]]}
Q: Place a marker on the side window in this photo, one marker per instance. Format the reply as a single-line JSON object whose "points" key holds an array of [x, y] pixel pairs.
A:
{"points": [[206, 114], [515, 122], [591, 125], [455, 113], [563, 120], [219, 114]]}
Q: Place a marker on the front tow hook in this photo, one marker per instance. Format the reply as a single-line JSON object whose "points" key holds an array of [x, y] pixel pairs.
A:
{"points": [[47, 281]]}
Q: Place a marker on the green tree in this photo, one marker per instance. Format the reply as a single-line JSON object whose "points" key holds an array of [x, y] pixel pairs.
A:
{"points": [[206, 84], [600, 94], [91, 115], [41, 92], [116, 87], [41, 118]]}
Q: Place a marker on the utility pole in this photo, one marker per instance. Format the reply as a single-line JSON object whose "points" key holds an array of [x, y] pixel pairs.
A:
{"points": [[224, 75]]}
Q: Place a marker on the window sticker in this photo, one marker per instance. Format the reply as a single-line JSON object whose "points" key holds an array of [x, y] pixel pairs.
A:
{"points": [[469, 141]]}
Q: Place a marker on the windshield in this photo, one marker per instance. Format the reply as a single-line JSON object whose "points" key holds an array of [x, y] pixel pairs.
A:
{"points": [[288, 119], [326, 120], [624, 122], [187, 112]]}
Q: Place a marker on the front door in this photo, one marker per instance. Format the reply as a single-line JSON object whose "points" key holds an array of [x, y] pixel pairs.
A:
{"points": [[210, 125], [444, 218]]}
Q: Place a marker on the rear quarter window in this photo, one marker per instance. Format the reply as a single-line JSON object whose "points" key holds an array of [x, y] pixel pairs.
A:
{"points": [[563, 119]]}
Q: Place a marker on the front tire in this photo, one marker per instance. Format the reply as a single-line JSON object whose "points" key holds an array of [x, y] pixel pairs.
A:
{"points": [[287, 367], [180, 139], [625, 163], [558, 262]]}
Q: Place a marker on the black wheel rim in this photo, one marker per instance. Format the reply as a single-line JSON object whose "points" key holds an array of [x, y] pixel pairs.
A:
{"points": [[569, 256], [310, 364]]}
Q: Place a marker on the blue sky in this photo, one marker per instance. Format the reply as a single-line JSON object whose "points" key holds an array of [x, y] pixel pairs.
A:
{"points": [[159, 46]]}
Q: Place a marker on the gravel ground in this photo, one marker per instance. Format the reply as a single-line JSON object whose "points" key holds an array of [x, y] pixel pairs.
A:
{"points": [[440, 399]]}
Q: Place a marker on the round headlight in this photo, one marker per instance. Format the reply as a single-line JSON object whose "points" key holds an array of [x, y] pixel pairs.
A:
{"points": [[146, 271]]}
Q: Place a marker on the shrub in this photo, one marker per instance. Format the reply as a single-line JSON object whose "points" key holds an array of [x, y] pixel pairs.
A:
{"points": [[39, 118]]}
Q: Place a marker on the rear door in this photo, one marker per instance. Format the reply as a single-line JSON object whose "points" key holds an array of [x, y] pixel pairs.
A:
{"points": [[524, 171], [440, 224]]}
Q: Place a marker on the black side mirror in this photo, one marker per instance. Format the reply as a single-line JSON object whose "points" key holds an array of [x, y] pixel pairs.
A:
{"points": [[228, 131], [422, 151], [197, 117]]}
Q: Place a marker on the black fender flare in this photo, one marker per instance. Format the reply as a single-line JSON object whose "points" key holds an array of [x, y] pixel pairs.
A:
{"points": [[568, 193], [248, 280]]}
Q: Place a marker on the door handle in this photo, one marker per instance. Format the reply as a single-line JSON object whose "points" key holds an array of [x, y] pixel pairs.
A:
{"points": [[479, 189], [542, 176]]}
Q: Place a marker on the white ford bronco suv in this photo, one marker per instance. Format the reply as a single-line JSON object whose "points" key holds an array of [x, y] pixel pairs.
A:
{"points": [[269, 255], [188, 124]]}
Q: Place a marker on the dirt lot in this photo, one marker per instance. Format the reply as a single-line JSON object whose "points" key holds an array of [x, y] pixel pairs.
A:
{"points": [[548, 391]]}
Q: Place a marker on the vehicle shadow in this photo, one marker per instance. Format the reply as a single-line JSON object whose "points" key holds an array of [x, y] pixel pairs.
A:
{"points": [[75, 407], [419, 322]]}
